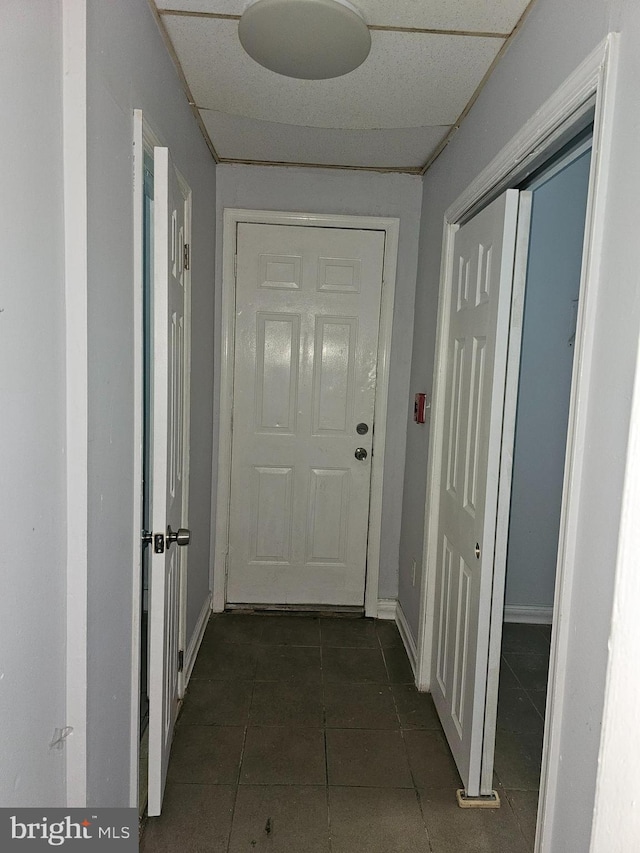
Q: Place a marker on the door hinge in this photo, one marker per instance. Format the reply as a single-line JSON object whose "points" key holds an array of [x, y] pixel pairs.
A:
{"points": [[235, 266], [180, 661], [186, 256], [158, 543]]}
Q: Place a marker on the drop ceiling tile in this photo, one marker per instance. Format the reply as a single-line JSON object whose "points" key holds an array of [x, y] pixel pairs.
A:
{"points": [[409, 80], [474, 15], [239, 138]]}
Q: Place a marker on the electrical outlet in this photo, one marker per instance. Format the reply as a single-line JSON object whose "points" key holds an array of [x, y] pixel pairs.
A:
{"points": [[413, 572]]}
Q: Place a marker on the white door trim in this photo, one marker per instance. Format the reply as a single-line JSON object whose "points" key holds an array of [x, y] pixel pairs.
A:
{"points": [[144, 139], [74, 99], [591, 85], [186, 428], [391, 227], [139, 127]]}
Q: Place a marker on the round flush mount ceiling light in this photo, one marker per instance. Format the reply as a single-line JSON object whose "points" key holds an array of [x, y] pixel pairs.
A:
{"points": [[307, 39]]}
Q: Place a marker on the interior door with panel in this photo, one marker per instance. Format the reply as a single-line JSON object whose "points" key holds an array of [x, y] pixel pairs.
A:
{"points": [[475, 363], [168, 406], [306, 339]]}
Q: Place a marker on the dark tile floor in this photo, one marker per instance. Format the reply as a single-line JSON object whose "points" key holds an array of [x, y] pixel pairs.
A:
{"points": [[521, 709], [306, 735]]}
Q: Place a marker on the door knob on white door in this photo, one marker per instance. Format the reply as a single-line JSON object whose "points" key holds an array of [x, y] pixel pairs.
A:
{"points": [[181, 536], [360, 454]]}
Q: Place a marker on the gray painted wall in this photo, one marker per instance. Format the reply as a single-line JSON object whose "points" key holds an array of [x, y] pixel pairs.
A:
{"points": [[355, 193], [554, 40], [32, 402], [128, 67], [553, 285]]}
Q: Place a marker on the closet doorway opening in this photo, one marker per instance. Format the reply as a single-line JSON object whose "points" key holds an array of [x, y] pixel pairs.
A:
{"points": [[559, 192]]}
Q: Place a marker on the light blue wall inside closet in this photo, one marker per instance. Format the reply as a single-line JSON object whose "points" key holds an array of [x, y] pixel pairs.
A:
{"points": [[551, 300]]}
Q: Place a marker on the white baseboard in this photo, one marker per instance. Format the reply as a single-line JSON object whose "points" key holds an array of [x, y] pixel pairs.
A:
{"points": [[528, 614], [196, 640], [407, 637], [391, 609], [387, 608]]}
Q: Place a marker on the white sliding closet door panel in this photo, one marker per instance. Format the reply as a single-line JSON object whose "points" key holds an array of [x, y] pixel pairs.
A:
{"points": [[475, 369]]}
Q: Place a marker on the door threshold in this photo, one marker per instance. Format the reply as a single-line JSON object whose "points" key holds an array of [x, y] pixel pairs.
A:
{"points": [[300, 609]]}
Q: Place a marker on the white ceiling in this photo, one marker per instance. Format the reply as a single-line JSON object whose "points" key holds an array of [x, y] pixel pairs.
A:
{"points": [[393, 112]]}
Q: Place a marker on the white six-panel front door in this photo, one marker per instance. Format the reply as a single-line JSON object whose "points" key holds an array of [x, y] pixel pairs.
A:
{"points": [[475, 368], [306, 337]]}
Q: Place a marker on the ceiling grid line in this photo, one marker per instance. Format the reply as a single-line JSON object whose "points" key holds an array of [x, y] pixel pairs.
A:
{"points": [[384, 28], [183, 13], [183, 80], [465, 112], [403, 170]]}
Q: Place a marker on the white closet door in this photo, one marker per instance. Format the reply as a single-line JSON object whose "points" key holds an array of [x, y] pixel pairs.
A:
{"points": [[475, 369]]}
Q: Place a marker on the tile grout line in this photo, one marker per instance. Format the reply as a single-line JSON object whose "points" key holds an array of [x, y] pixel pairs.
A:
{"points": [[527, 695], [509, 790], [324, 738], [324, 727], [384, 660], [535, 707], [416, 790], [511, 670], [390, 685], [406, 748], [330, 837], [242, 750], [515, 814], [324, 716]]}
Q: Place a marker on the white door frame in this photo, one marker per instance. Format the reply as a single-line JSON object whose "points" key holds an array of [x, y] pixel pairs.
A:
{"points": [[391, 227], [144, 140], [591, 86]]}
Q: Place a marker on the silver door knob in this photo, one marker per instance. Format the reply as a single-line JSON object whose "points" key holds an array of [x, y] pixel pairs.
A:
{"points": [[180, 536], [360, 453]]}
